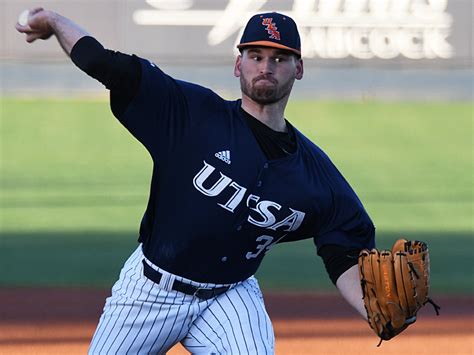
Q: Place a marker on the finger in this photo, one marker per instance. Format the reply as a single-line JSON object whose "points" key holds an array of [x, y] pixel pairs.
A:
{"points": [[36, 10], [23, 29], [31, 37]]}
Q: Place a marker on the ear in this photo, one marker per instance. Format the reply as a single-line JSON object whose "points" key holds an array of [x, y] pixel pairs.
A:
{"points": [[238, 62], [299, 69]]}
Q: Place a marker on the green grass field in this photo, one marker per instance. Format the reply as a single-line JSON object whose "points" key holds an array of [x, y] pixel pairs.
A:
{"points": [[74, 184]]}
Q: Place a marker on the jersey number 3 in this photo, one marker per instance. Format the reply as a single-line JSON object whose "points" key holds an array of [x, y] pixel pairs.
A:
{"points": [[267, 243], [264, 246]]}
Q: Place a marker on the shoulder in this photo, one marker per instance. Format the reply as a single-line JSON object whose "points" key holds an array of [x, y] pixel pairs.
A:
{"points": [[319, 162], [194, 94], [150, 70], [310, 149], [199, 94]]}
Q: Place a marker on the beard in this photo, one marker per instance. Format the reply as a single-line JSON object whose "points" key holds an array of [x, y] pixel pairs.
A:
{"points": [[265, 94]]}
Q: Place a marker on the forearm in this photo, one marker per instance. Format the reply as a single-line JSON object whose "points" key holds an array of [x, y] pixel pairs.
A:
{"points": [[121, 73], [349, 287], [66, 31]]}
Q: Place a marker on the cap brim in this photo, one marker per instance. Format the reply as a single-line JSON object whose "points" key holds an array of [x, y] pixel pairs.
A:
{"points": [[268, 44]]}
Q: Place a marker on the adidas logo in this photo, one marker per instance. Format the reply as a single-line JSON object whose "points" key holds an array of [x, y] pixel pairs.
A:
{"points": [[224, 156]]}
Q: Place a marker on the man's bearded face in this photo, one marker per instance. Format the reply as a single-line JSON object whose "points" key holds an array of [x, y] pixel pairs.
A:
{"points": [[265, 89]]}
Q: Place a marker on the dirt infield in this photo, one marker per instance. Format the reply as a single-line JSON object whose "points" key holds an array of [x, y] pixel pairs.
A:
{"points": [[61, 321]]}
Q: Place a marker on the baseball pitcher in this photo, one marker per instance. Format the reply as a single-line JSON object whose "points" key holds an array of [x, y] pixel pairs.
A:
{"points": [[230, 180]]}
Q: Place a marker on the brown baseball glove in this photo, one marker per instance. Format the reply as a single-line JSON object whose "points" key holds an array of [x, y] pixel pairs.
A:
{"points": [[395, 285]]}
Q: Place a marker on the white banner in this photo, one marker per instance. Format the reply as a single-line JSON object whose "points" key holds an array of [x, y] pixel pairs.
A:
{"points": [[363, 29]]}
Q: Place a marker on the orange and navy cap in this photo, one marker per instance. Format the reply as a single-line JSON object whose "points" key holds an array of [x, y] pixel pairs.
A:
{"points": [[271, 29]]}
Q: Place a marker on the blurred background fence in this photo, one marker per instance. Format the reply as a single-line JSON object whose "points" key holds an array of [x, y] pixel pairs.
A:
{"points": [[356, 49]]}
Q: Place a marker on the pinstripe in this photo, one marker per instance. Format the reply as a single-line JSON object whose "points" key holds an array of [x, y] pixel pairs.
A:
{"points": [[144, 321], [240, 322], [258, 314], [231, 327], [107, 314], [192, 337], [217, 335], [259, 304], [102, 328], [205, 336], [250, 321], [126, 317], [164, 323], [269, 329], [266, 318], [223, 329], [135, 319], [266, 328], [113, 301], [212, 319], [188, 336], [195, 346], [173, 326], [121, 309], [185, 318], [154, 321]]}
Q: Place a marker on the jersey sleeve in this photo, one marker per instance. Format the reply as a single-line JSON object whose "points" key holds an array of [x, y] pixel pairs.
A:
{"points": [[345, 221], [119, 72], [158, 115], [348, 230], [349, 226], [338, 259], [150, 104]]}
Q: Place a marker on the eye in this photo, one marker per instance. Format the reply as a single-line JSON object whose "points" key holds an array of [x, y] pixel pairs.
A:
{"points": [[257, 58], [279, 59]]}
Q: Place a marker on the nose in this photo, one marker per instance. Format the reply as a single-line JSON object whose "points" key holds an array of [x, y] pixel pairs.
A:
{"points": [[266, 66]]}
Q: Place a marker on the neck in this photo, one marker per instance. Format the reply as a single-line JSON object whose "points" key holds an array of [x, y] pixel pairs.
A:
{"points": [[271, 115]]}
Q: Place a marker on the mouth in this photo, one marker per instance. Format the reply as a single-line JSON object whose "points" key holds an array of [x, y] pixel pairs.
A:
{"points": [[264, 80]]}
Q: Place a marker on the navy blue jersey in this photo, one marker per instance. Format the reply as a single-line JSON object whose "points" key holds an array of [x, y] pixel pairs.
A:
{"points": [[217, 204]]}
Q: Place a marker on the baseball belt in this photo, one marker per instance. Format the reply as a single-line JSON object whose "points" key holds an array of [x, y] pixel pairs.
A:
{"points": [[202, 293]]}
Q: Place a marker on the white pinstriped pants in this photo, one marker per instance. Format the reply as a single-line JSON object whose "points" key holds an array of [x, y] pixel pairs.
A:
{"points": [[142, 317]]}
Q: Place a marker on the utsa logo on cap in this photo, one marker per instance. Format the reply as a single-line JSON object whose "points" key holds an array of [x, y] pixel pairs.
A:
{"points": [[271, 29]]}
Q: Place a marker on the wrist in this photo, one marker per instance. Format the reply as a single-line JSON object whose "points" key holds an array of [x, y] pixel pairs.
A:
{"points": [[53, 20]]}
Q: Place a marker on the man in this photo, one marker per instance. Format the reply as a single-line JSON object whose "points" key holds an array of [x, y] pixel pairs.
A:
{"points": [[230, 180]]}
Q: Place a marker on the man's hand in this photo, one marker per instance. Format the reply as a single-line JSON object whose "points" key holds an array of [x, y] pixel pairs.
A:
{"points": [[38, 25], [42, 24]]}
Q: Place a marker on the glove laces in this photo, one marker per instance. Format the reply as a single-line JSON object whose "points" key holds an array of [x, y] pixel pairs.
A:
{"points": [[435, 306]]}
